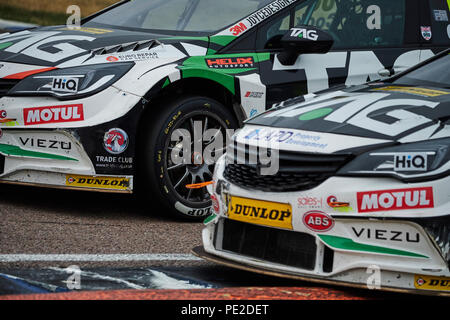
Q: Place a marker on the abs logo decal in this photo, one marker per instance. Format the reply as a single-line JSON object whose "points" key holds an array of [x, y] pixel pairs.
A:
{"points": [[318, 221], [400, 199], [53, 114], [410, 162], [304, 34], [231, 63], [115, 141]]}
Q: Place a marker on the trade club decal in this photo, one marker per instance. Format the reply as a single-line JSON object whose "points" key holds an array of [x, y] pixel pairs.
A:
{"points": [[115, 141]]}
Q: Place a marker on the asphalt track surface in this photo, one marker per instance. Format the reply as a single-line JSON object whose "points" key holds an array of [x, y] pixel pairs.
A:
{"points": [[58, 244]]}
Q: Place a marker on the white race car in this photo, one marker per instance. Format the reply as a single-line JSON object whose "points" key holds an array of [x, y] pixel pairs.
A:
{"points": [[95, 107], [360, 195]]}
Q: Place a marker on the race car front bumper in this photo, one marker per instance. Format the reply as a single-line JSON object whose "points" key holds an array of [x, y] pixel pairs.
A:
{"points": [[377, 249], [53, 158]]}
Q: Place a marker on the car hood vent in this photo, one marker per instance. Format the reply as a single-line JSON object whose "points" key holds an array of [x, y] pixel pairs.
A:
{"points": [[127, 47]]}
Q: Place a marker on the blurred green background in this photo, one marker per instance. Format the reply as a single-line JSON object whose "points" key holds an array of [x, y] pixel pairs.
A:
{"points": [[47, 12]]}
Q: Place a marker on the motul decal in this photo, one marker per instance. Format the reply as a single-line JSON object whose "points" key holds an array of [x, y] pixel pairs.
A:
{"points": [[399, 199], [53, 114], [231, 63]]}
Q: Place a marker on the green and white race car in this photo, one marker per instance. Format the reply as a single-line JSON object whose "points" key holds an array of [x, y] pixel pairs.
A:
{"points": [[95, 107]]}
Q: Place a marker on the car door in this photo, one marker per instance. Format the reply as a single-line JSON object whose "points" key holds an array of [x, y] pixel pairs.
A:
{"points": [[370, 43], [434, 27]]}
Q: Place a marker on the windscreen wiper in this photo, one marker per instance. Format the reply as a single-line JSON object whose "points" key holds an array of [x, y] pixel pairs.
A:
{"points": [[187, 14]]}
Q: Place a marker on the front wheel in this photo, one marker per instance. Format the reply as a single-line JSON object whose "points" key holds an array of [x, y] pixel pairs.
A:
{"points": [[179, 146]]}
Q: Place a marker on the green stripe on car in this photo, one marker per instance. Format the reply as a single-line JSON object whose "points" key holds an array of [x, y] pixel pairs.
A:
{"points": [[10, 150], [348, 244]]}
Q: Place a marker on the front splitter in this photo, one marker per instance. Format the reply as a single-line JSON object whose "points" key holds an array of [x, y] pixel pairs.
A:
{"points": [[201, 253]]}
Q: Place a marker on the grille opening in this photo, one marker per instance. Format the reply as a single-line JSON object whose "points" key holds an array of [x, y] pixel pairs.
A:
{"points": [[6, 85], [285, 247], [297, 171], [328, 259]]}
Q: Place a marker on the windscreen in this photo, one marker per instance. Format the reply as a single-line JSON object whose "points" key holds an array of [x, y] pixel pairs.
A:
{"points": [[435, 74], [179, 15]]}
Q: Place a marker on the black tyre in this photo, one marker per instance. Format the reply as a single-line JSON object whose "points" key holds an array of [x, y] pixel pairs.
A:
{"points": [[160, 176]]}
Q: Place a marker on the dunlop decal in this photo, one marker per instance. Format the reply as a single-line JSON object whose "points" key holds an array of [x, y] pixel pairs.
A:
{"points": [[265, 213], [114, 183]]}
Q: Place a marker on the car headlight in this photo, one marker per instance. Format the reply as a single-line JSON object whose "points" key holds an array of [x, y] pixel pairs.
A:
{"points": [[69, 83], [412, 162]]}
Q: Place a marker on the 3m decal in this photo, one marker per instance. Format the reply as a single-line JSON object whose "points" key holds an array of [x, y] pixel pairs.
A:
{"points": [[414, 90], [238, 29], [318, 221], [115, 141], [114, 183], [399, 199], [260, 212], [231, 63], [431, 283], [414, 161], [53, 114]]}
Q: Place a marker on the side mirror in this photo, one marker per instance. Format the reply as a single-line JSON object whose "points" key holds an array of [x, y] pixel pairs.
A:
{"points": [[304, 39]]}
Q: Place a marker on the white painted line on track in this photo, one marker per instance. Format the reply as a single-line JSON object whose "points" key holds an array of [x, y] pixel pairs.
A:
{"points": [[97, 257], [95, 275]]}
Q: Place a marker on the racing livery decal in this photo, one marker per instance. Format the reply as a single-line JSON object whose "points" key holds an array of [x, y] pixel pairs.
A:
{"points": [[400, 199]]}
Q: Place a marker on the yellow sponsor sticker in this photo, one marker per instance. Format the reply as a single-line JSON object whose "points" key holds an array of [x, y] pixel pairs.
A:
{"points": [[113, 183], [431, 283], [88, 30], [260, 212], [414, 90]]}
